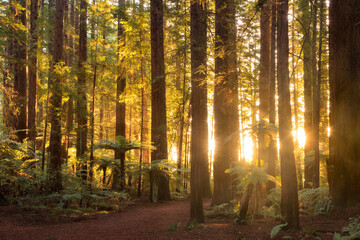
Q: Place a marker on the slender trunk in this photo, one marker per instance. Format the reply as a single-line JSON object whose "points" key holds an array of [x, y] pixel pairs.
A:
{"points": [[144, 102], [289, 194], [273, 154], [54, 169], [316, 103], [119, 174], [82, 130], [92, 107], [264, 82], [226, 114], [296, 104], [199, 128], [20, 76], [33, 72], [307, 58], [159, 181]]}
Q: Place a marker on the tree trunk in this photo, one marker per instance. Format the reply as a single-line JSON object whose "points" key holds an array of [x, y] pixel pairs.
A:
{"points": [[54, 169], [264, 82], [33, 72], [199, 126], [273, 154], [296, 105], [307, 59], [82, 113], [345, 98], [226, 115], [92, 107], [20, 78], [159, 181], [119, 176], [316, 102], [289, 194]]}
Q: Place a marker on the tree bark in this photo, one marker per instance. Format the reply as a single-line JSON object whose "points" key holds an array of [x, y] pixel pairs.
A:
{"points": [[273, 154], [315, 102], [307, 59], [20, 77], [289, 194], [345, 98], [264, 81], [33, 72], [226, 113], [55, 162], [199, 126], [159, 181], [120, 126], [81, 105]]}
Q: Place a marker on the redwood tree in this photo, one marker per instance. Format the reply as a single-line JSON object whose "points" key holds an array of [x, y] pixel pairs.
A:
{"points": [[54, 169], [20, 78], [289, 194], [119, 177], [344, 100], [264, 84], [226, 114], [159, 181], [33, 71], [81, 105], [199, 126]]}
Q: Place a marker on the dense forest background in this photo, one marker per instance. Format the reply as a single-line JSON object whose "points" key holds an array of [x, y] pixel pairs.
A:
{"points": [[102, 100]]}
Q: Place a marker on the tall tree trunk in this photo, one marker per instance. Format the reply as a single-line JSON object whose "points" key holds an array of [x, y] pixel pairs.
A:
{"points": [[119, 174], [92, 107], [20, 78], [182, 113], [226, 113], [345, 99], [159, 181], [289, 194], [54, 169], [144, 154], [264, 82], [33, 71], [199, 126], [82, 130], [307, 59], [273, 154], [315, 101]]}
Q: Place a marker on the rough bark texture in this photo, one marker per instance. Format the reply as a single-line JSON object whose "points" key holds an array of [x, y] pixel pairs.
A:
{"points": [[225, 104], [289, 194], [264, 81], [33, 71], [20, 77], [199, 126], [159, 181], [345, 98], [273, 154], [120, 125], [81, 105], [307, 59], [54, 169]]}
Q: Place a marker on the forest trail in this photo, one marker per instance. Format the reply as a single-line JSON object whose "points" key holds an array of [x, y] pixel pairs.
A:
{"points": [[142, 220]]}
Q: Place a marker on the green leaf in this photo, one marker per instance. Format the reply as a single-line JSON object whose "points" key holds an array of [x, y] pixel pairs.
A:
{"points": [[276, 230]]}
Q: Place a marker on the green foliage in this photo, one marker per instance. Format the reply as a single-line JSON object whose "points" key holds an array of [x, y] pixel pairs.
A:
{"points": [[315, 201], [276, 230], [192, 225], [173, 227], [353, 229]]}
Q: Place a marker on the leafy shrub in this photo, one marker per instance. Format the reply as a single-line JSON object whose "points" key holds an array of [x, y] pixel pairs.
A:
{"points": [[353, 229], [315, 201]]}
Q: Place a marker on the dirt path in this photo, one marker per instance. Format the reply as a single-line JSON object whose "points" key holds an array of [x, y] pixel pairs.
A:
{"points": [[143, 221]]}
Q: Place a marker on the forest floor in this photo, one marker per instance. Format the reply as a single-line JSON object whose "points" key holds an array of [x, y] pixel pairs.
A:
{"points": [[143, 220]]}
